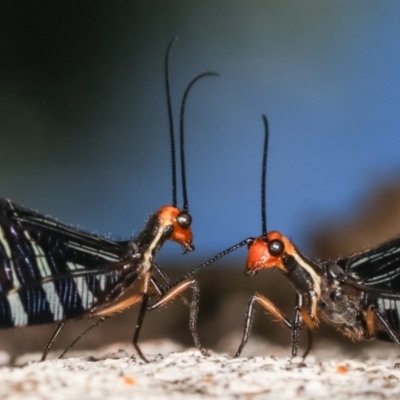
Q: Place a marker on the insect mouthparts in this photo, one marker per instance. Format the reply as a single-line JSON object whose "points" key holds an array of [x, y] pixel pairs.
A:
{"points": [[187, 248]]}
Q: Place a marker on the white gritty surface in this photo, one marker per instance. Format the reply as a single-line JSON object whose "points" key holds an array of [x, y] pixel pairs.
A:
{"points": [[115, 374]]}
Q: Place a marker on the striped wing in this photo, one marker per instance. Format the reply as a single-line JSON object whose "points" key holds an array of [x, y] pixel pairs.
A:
{"points": [[377, 269], [50, 271]]}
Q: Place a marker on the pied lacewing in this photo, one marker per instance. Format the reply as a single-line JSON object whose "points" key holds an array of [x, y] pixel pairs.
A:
{"points": [[53, 273], [358, 295]]}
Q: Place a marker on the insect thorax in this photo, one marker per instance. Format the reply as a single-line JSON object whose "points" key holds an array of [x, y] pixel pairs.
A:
{"points": [[342, 306]]}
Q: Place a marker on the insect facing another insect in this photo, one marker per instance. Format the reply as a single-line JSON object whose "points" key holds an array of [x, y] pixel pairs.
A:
{"points": [[51, 272], [358, 295]]}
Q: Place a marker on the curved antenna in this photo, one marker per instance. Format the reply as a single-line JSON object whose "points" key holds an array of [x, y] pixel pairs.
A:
{"points": [[263, 210], [171, 121], [181, 131], [264, 177]]}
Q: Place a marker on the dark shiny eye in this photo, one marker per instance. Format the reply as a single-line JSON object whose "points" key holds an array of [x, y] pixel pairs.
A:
{"points": [[276, 247], [184, 220]]}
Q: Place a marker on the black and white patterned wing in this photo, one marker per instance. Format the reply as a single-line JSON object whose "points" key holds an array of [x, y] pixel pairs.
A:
{"points": [[50, 271], [377, 269]]}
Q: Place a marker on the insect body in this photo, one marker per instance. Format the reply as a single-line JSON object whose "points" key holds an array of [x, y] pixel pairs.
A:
{"points": [[51, 272], [359, 295]]}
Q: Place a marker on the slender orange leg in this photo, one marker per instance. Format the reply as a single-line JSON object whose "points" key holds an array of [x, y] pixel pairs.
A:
{"points": [[118, 307], [194, 306], [104, 314], [167, 281], [273, 310], [172, 294], [143, 297], [269, 307]]}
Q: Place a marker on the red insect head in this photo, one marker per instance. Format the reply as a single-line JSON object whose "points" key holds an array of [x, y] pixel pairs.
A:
{"points": [[267, 251], [180, 221]]}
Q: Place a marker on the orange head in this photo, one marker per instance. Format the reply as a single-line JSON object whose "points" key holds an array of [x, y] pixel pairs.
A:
{"points": [[267, 251], [179, 222]]}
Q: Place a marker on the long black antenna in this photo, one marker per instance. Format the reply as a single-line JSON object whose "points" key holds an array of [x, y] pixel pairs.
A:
{"points": [[212, 260], [264, 178], [182, 141], [263, 210], [171, 122]]}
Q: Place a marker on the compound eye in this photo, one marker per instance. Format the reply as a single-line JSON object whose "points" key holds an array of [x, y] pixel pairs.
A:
{"points": [[276, 247], [184, 220]]}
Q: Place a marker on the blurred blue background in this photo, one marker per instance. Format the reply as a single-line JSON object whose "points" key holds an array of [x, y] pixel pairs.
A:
{"points": [[84, 129]]}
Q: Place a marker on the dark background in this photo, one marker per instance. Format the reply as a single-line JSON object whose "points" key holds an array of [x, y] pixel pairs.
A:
{"points": [[84, 131]]}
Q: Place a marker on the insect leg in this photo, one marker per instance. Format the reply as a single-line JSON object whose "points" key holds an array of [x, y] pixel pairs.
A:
{"points": [[388, 329], [107, 312], [52, 340], [310, 343], [104, 313], [97, 323], [269, 307], [165, 278], [385, 324], [158, 289], [297, 325], [194, 307], [139, 323], [160, 272]]}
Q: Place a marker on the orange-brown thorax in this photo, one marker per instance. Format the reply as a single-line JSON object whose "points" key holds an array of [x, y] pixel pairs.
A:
{"points": [[260, 257], [168, 216]]}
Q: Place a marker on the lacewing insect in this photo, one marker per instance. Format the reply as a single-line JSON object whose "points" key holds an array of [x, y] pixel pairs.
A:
{"points": [[51, 272], [358, 295]]}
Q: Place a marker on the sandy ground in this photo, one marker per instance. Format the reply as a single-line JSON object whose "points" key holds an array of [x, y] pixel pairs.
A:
{"points": [[114, 372]]}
